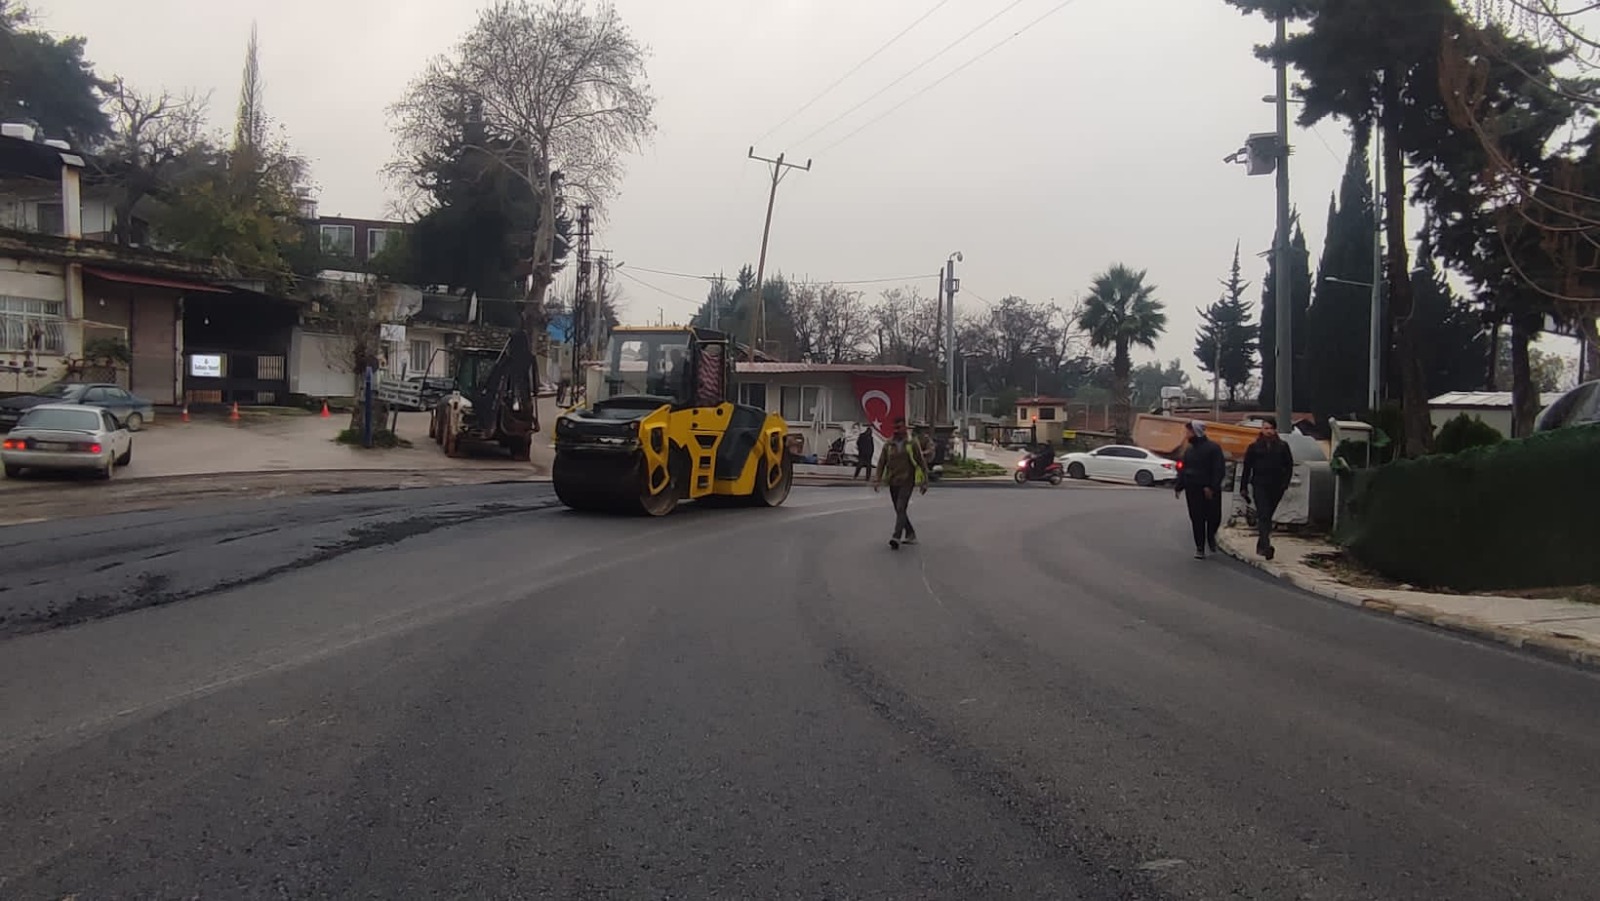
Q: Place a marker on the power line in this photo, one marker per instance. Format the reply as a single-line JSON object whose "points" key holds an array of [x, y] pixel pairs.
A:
{"points": [[633, 278], [951, 74], [914, 70], [853, 70], [831, 281]]}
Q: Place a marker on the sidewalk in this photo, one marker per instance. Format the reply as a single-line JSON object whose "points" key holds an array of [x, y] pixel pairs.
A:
{"points": [[1564, 630]]}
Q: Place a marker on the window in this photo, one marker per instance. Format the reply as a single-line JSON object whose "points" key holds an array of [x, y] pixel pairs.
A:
{"points": [[97, 396], [1022, 414], [378, 239], [1047, 412], [30, 324], [52, 219], [339, 240], [67, 420], [800, 403], [753, 394], [421, 354]]}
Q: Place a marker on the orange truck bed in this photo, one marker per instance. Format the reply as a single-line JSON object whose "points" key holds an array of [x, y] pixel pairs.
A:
{"points": [[1164, 435]]}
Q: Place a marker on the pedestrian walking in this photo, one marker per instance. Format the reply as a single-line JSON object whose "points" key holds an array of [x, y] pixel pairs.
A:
{"points": [[1200, 483], [902, 464], [1268, 470], [864, 448]]}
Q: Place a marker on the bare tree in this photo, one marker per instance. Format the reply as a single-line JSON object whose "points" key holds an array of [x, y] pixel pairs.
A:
{"points": [[904, 328], [553, 88], [1547, 221], [831, 324], [153, 136]]}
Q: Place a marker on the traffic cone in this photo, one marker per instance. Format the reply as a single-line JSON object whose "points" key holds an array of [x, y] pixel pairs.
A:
{"points": [[325, 413], [235, 414], [185, 412]]}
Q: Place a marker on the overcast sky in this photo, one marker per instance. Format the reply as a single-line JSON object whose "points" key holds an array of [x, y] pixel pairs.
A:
{"points": [[1095, 136]]}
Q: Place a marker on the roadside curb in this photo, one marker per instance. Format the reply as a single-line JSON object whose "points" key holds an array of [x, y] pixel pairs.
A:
{"points": [[1544, 644]]}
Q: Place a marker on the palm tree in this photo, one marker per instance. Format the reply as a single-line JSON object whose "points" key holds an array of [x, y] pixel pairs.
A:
{"points": [[1120, 312]]}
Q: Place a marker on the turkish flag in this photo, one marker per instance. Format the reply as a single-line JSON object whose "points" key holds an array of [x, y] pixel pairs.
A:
{"points": [[882, 399]]}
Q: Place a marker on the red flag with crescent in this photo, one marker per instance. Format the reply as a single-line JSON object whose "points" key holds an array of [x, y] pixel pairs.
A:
{"points": [[882, 399]]}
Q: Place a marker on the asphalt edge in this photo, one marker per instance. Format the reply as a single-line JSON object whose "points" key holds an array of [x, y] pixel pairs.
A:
{"points": [[1561, 650]]}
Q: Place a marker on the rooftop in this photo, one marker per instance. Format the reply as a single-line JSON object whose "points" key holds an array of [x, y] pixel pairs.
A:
{"points": [[1492, 399], [846, 368]]}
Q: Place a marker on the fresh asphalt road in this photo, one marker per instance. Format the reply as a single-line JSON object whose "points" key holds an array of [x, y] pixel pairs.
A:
{"points": [[466, 693]]}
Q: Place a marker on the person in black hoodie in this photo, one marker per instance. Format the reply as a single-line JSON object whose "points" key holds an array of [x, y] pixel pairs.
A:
{"points": [[865, 448], [1268, 469], [1200, 483]]}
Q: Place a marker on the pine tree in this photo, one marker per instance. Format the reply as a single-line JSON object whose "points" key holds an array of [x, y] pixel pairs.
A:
{"points": [[1226, 345], [1340, 314], [1299, 303], [1451, 332]]}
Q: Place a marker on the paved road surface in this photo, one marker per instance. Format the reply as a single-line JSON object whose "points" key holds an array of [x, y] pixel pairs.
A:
{"points": [[398, 697]]}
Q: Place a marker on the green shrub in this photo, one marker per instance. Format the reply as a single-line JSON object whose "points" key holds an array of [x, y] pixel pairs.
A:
{"points": [[1465, 432], [1516, 514]]}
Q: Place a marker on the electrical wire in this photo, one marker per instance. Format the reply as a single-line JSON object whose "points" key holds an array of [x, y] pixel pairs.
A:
{"points": [[914, 70], [853, 70], [947, 76], [633, 278], [713, 278]]}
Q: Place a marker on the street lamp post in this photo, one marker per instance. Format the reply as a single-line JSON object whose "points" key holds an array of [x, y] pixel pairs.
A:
{"points": [[1374, 336]]}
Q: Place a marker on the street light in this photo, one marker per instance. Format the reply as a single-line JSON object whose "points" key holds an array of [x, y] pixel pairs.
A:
{"points": [[951, 286], [1374, 336]]}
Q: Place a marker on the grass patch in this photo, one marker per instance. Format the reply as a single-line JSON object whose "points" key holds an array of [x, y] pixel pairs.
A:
{"points": [[971, 468], [381, 438]]}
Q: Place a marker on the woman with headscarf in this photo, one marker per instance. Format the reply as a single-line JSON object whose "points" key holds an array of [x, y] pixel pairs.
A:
{"points": [[1200, 483]]}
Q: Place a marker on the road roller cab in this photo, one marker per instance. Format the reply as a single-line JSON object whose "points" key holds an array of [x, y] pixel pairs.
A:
{"points": [[666, 431]]}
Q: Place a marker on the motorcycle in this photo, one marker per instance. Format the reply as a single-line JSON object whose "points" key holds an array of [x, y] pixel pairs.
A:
{"points": [[1027, 472]]}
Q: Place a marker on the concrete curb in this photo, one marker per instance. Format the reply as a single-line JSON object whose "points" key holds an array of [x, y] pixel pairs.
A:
{"points": [[1544, 644]]}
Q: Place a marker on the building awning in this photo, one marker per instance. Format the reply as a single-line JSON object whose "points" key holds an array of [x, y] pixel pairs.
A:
{"points": [[129, 278]]}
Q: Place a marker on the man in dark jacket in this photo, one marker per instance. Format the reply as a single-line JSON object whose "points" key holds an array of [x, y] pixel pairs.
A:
{"points": [[1268, 469], [1200, 482], [865, 445]]}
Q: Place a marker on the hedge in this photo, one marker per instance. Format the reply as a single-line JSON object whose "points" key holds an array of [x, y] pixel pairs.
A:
{"points": [[1518, 514]]}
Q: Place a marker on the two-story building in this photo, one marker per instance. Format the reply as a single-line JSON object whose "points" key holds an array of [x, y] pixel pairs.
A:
{"points": [[72, 304]]}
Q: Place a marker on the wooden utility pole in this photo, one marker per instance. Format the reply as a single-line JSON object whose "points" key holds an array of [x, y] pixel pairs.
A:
{"points": [[758, 329]]}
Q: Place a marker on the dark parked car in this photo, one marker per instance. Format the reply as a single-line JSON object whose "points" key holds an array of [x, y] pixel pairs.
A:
{"points": [[130, 410]]}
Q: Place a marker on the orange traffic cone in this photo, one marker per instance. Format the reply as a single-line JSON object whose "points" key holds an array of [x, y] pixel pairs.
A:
{"points": [[325, 413], [185, 412], [235, 414]]}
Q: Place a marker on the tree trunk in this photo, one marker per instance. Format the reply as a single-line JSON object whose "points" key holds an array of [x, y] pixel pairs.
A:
{"points": [[1524, 393], [1121, 404], [544, 251], [1408, 363], [1492, 381]]}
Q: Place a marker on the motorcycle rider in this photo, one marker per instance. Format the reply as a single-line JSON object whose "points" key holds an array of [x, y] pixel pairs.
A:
{"points": [[1041, 458]]}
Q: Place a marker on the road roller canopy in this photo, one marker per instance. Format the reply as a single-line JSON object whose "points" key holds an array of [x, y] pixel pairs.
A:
{"points": [[647, 361]]}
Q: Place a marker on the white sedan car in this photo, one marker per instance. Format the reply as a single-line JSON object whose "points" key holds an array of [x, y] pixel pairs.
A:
{"points": [[66, 437], [1121, 463]]}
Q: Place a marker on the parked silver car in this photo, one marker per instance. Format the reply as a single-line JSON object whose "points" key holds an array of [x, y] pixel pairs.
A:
{"points": [[67, 437]]}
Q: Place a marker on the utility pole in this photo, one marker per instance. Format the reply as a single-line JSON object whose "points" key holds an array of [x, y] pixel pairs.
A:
{"points": [[952, 285], [596, 327], [582, 299], [759, 327], [1285, 337], [1375, 335]]}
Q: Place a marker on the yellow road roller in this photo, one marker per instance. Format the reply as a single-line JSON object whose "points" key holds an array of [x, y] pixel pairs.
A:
{"points": [[659, 429]]}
